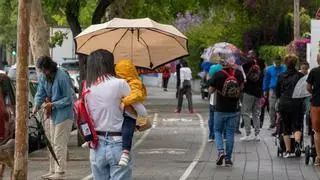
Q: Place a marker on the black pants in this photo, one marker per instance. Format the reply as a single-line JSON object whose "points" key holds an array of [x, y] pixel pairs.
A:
{"points": [[165, 83], [128, 126], [186, 90], [178, 88]]}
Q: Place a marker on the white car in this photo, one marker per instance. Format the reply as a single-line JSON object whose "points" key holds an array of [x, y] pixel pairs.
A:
{"points": [[32, 73]]}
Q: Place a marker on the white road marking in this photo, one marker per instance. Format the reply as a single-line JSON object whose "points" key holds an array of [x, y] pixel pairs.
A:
{"points": [[143, 137], [176, 119], [171, 151], [196, 159]]}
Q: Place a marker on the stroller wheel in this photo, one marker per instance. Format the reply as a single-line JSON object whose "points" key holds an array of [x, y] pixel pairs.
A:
{"points": [[307, 154]]}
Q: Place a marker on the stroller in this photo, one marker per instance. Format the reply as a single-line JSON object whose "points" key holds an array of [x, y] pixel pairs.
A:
{"points": [[310, 150], [280, 141]]}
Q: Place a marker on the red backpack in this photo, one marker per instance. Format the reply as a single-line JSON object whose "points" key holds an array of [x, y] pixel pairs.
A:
{"points": [[84, 121], [231, 87]]}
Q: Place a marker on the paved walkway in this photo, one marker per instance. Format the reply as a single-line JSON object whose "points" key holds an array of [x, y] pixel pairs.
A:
{"points": [[176, 148]]}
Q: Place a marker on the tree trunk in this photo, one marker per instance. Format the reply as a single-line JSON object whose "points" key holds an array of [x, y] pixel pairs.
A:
{"points": [[296, 19], [22, 111], [39, 32]]}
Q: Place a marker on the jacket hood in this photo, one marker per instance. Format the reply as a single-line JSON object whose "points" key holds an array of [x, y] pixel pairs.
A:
{"points": [[126, 70]]}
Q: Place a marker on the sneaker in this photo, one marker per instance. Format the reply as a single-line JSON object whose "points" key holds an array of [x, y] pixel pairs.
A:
{"points": [[45, 176], [256, 138], [317, 161], [57, 176], [124, 159], [238, 132], [245, 138], [286, 155], [220, 158], [177, 111], [228, 163], [297, 149], [211, 140], [85, 145], [271, 127]]}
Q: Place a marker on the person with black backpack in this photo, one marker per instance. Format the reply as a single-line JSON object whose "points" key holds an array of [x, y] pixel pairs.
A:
{"points": [[228, 84], [252, 93]]}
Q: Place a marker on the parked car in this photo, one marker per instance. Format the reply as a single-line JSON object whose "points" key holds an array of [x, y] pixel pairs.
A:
{"points": [[7, 118], [32, 73], [72, 67]]}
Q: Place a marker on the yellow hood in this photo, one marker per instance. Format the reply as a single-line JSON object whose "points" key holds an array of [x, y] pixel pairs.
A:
{"points": [[126, 70]]}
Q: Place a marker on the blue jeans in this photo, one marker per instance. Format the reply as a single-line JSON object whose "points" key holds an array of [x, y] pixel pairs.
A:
{"points": [[128, 127], [104, 160], [225, 121], [211, 122]]}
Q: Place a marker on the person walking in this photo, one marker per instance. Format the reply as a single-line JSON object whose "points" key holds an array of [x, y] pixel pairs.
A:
{"points": [[104, 106], [165, 78], [212, 102], [185, 87], [55, 95], [252, 93], [313, 87], [270, 81], [291, 109], [227, 83]]}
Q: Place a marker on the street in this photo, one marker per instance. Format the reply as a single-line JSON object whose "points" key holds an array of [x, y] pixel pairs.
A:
{"points": [[177, 148]]}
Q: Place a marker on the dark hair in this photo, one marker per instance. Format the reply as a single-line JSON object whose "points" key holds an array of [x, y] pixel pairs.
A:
{"points": [[278, 57], [100, 64], [291, 61], [184, 64], [305, 64], [45, 62]]}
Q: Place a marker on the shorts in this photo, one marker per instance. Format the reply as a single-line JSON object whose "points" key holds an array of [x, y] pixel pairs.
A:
{"points": [[315, 118]]}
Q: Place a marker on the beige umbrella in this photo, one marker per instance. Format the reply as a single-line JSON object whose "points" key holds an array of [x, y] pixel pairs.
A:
{"points": [[147, 43]]}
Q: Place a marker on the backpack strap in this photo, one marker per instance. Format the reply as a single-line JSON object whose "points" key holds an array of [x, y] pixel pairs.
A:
{"points": [[229, 74], [85, 90]]}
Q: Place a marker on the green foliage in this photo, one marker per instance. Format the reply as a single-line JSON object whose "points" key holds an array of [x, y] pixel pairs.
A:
{"points": [[57, 39], [226, 25], [165, 11], [269, 53], [8, 21], [305, 21]]}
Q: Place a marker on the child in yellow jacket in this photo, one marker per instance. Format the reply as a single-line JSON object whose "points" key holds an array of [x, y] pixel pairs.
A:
{"points": [[126, 70]]}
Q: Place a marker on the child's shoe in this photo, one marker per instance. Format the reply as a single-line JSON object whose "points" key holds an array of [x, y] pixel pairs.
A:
{"points": [[124, 159], [85, 145]]}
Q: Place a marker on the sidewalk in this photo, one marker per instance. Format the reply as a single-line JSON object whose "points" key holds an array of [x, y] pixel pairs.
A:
{"points": [[78, 162]]}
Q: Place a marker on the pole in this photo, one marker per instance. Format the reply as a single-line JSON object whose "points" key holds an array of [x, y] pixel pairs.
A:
{"points": [[22, 109], [296, 19]]}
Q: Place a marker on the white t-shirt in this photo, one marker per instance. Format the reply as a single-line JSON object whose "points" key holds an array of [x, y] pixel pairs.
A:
{"points": [[185, 74], [103, 103]]}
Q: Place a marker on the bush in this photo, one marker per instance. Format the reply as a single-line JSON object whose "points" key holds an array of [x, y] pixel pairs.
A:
{"points": [[269, 53]]}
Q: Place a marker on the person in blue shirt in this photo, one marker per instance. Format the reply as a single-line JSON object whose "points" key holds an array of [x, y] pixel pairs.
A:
{"points": [[55, 96], [270, 81]]}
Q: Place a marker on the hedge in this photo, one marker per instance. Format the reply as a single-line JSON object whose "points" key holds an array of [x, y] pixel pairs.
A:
{"points": [[269, 53]]}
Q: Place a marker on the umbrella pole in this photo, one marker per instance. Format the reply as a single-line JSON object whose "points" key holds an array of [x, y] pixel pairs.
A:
{"points": [[132, 31]]}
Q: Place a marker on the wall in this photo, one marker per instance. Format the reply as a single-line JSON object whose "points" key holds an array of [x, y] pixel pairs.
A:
{"points": [[315, 39], [66, 50]]}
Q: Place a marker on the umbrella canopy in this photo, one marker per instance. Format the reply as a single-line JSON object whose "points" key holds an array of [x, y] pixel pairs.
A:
{"points": [[300, 90], [224, 52], [147, 43]]}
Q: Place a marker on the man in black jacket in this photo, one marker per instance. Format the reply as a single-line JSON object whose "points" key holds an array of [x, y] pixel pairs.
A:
{"points": [[252, 93]]}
